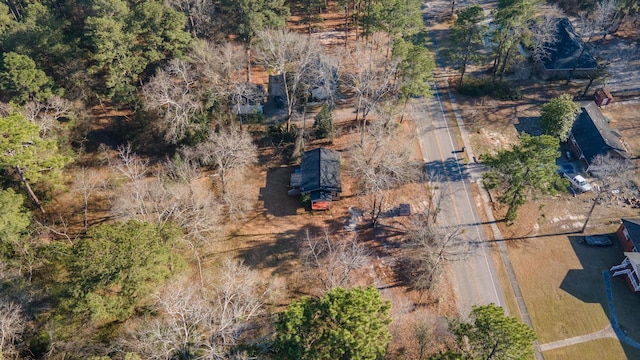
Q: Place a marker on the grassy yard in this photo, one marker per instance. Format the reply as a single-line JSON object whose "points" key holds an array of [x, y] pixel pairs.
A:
{"points": [[565, 297], [562, 284]]}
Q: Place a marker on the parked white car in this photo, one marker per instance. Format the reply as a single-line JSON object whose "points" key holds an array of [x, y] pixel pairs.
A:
{"points": [[578, 182]]}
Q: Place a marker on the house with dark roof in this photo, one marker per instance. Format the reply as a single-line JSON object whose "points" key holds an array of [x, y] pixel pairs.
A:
{"points": [[629, 234], [591, 136], [318, 177], [568, 55]]}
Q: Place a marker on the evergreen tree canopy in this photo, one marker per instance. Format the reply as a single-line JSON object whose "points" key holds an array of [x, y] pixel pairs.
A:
{"points": [[22, 80], [14, 220], [343, 324], [415, 69], [467, 37], [115, 268], [526, 168], [251, 16], [558, 116], [493, 335], [22, 150]]}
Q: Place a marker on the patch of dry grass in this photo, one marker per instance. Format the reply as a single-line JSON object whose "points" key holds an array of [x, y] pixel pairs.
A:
{"points": [[624, 118], [561, 281], [601, 349]]}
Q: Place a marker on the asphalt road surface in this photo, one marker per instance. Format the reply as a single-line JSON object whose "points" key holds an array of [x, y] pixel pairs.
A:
{"points": [[475, 279]]}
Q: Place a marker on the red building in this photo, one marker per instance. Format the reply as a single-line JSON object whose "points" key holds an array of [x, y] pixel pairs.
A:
{"points": [[629, 236]]}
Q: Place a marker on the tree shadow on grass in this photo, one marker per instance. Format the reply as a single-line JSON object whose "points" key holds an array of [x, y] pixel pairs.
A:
{"points": [[529, 125], [588, 285]]}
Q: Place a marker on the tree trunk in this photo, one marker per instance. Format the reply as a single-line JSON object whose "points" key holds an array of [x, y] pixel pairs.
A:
{"points": [[248, 63], [356, 10], [575, 66], [617, 24], [288, 99], [85, 213], [309, 16], [223, 180], [593, 206], [358, 107], [497, 60], [504, 62], [346, 24], [403, 108], [29, 190], [588, 86]]}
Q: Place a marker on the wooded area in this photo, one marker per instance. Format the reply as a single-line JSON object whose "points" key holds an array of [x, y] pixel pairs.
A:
{"points": [[132, 109]]}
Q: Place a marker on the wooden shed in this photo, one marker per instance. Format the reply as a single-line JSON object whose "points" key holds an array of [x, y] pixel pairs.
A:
{"points": [[602, 97]]}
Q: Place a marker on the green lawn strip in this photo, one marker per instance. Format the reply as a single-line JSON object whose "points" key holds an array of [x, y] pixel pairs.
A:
{"points": [[600, 349]]}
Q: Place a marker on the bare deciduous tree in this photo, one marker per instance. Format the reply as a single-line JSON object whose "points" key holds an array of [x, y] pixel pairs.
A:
{"points": [[370, 76], [604, 16], [292, 56], [86, 183], [172, 195], [202, 325], [614, 173], [333, 259], [201, 16], [429, 243], [219, 65], [47, 113], [227, 150], [545, 33], [12, 323], [381, 162], [172, 93], [429, 246]]}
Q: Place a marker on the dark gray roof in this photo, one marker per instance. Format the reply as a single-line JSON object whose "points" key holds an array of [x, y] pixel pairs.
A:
{"points": [[565, 52], [633, 228], [594, 135], [320, 170]]}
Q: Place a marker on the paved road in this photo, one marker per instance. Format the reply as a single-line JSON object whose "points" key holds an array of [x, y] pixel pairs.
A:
{"points": [[474, 271]]}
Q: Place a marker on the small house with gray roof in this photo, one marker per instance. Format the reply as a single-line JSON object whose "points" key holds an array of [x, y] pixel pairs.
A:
{"points": [[591, 136], [318, 177]]}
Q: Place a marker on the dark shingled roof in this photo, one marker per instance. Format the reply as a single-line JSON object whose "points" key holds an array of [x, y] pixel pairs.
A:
{"points": [[594, 135], [566, 50], [320, 170], [633, 228]]}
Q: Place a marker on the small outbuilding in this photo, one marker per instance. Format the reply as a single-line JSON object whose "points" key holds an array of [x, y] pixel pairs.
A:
{"points": [[602, 97], [319, 177], [568, 56], [591, 136], [247, 99]]}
